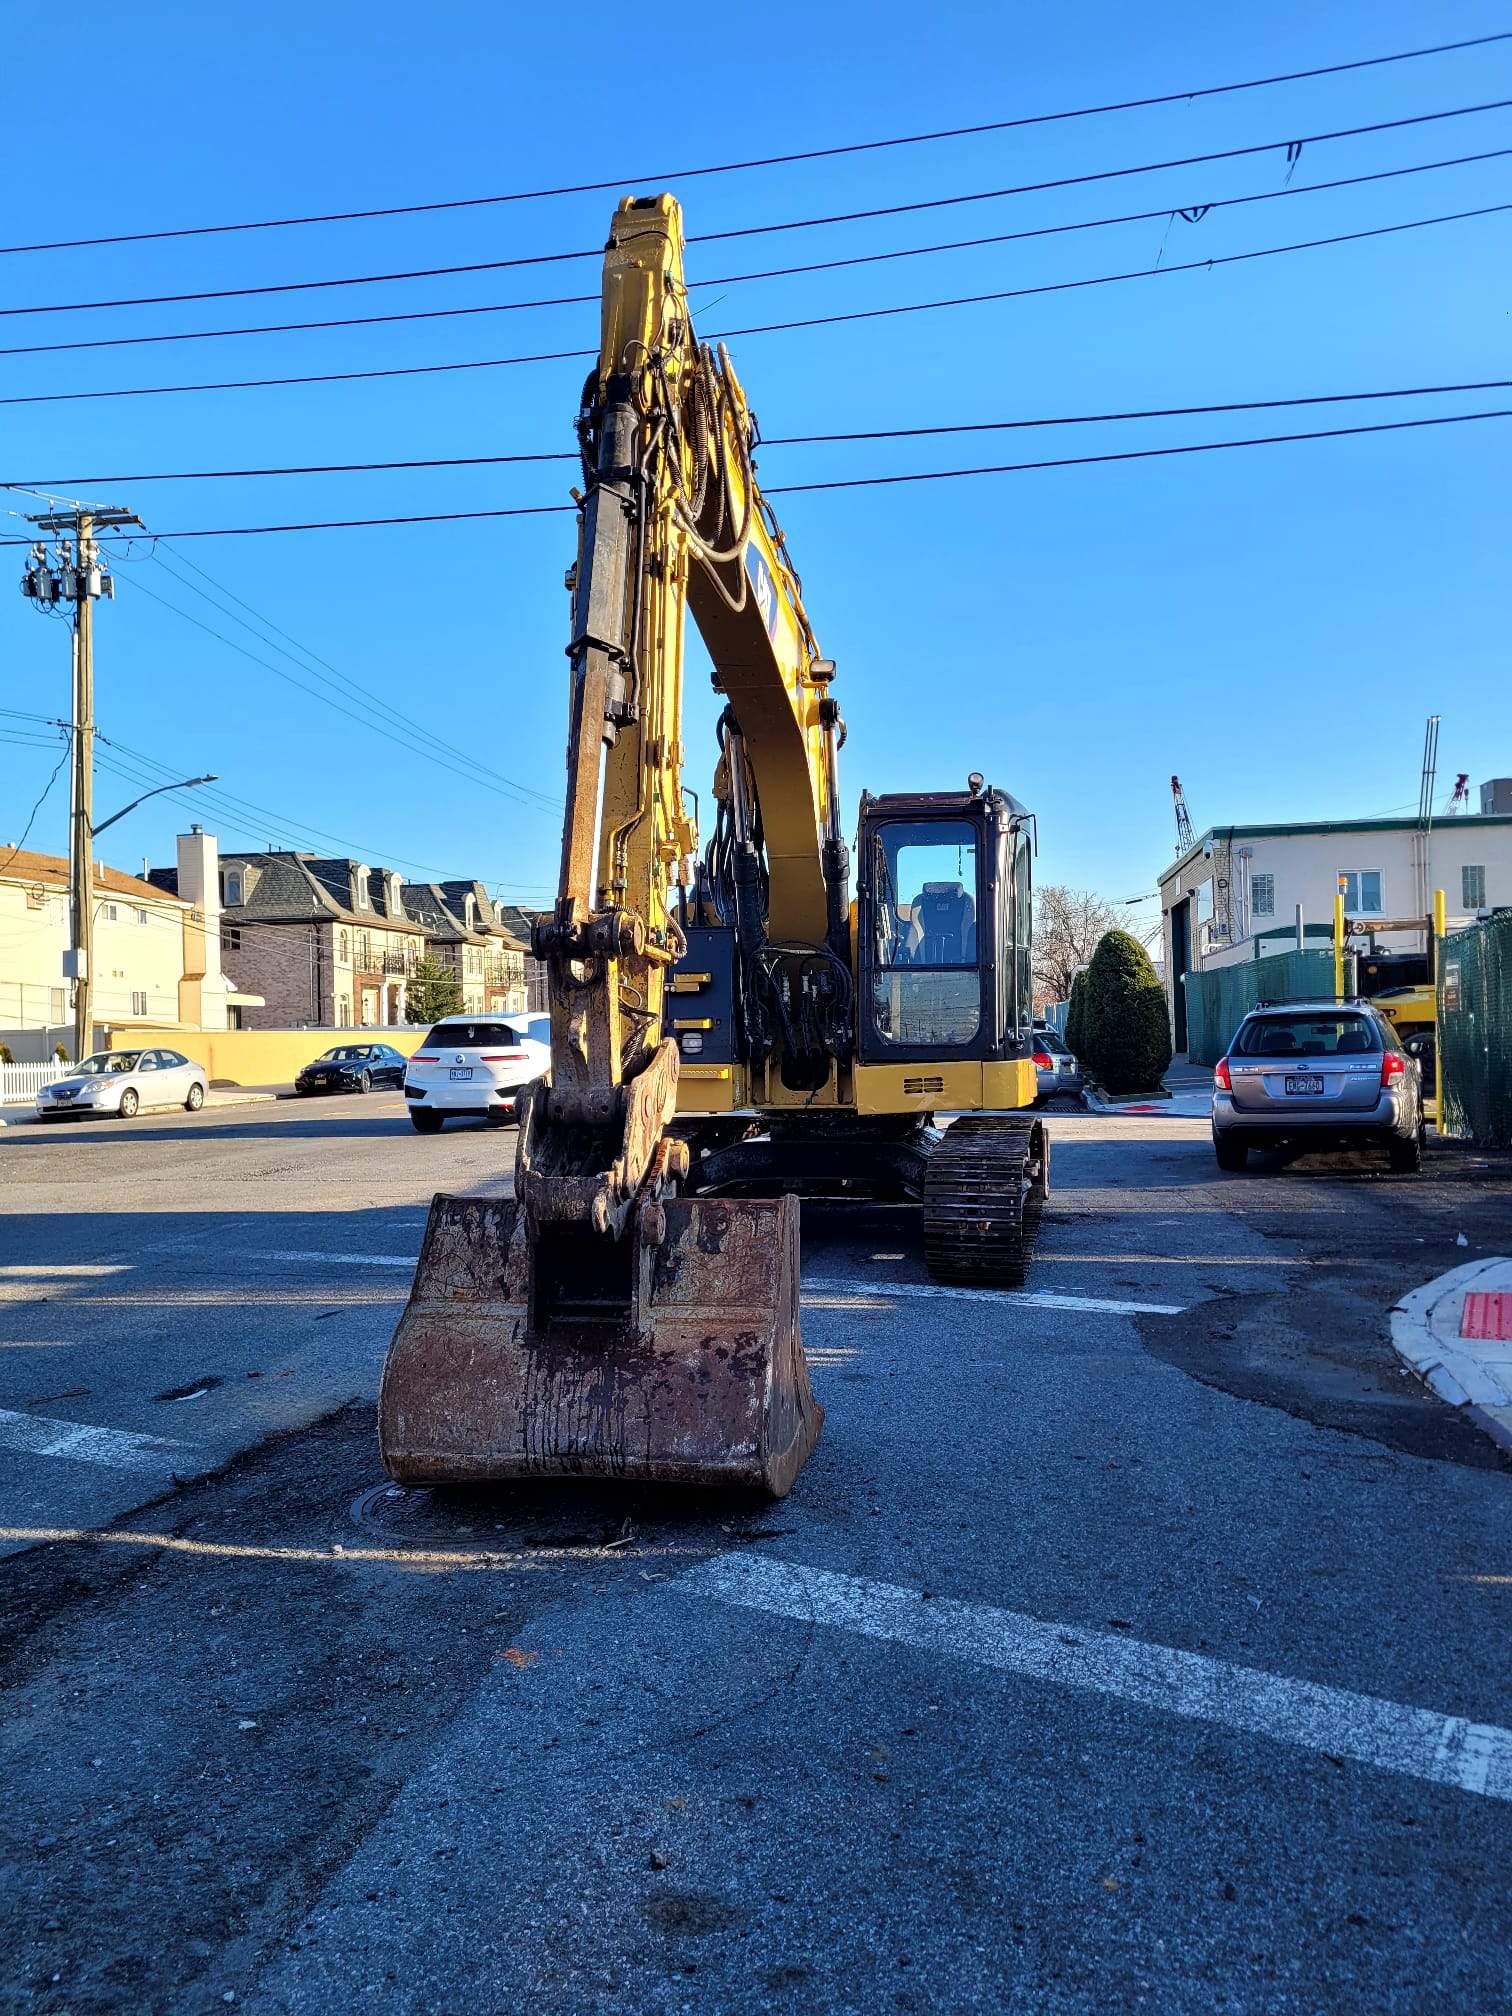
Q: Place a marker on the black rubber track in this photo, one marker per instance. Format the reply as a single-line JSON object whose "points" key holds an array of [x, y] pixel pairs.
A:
{"points": [[984, 1188]]}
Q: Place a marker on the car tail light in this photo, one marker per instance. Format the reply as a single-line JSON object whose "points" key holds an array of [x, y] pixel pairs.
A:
{"points": [[1221, 1076], [503, 1057], [1393, 1065], [1042, 1062], [423, 1057]]}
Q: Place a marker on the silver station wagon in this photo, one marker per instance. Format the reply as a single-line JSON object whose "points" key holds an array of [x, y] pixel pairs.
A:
{"points": [[1325, 1074]]}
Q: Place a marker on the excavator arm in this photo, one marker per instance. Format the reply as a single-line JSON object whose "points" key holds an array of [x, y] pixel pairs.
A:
{"points": [[596, 1322]]}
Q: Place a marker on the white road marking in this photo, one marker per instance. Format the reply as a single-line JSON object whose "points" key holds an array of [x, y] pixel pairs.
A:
{"points": [[45, 1270], [113, 1448], [1023, 1297], [1417, 1742], [345, 1259]]}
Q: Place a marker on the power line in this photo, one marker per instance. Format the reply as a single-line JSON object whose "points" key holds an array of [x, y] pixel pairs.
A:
{"points": [[41, 801], [1293, 147], [839, 483], [764, 328], [515, 793], [771, 441], [347, 686], [1109, 279], [661, 176], [1192, 213], [236, 809], [1140, 454]]}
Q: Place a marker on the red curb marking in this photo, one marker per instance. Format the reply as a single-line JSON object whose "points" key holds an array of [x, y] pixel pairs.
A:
{"points": [[1487, 1315]]}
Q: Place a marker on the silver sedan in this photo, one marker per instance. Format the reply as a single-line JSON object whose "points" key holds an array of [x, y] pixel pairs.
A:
{"points": [[123, 1082]]}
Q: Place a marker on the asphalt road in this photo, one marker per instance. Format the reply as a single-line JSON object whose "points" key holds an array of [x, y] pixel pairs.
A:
{"points": [[1139, 1648]]}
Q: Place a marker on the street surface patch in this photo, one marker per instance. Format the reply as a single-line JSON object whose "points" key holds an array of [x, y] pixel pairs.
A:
{"points": [[1416, 1742]]}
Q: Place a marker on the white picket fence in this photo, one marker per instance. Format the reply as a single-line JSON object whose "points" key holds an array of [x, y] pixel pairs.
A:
{"points": [[20, 1083]]}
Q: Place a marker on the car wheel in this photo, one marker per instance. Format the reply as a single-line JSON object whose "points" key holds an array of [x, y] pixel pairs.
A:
{"points": [[1233, 1156], [426, 1123], [129, 1103], [195, 1100], [365, 1082], [1406, 1157]]}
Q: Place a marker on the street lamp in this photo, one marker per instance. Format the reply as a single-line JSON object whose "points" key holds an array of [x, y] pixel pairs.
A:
{"points": [[184, 784]]}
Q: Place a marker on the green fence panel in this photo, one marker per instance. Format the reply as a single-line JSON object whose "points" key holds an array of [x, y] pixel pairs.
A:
{"points": [[1219, 999], [1475, 1033]]}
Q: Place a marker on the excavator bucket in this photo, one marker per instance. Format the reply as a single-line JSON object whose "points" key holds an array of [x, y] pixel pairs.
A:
{"points": [[668, 1356]]}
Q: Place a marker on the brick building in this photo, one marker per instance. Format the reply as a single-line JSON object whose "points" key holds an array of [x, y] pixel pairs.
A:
{"points": [[328, 943], [465, 932], [332, 942], [518, 922]]}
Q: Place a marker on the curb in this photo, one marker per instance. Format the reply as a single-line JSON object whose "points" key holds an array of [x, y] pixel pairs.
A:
{"points": [[28, 1117], [1175, 1106], [1472, 1375]]}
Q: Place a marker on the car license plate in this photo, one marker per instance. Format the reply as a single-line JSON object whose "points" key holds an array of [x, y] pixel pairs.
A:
{"points": [[465, 1071], [1304, 1085]]}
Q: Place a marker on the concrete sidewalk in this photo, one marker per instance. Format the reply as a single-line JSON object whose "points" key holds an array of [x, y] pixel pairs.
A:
{"points": [[1190, 1090], [1456, 1334]]}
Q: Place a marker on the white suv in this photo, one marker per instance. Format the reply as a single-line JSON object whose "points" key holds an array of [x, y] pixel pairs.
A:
{"points": [[475, 1064]]}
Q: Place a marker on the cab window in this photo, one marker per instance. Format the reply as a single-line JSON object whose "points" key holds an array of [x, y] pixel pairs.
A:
{"points": [[925, 989]]}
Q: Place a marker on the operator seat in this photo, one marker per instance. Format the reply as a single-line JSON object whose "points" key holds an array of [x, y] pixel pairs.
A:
{"points": [[946, 919]]}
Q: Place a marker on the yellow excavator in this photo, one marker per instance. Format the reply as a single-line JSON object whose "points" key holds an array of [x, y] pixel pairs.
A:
{"points": [[721, 1026]]}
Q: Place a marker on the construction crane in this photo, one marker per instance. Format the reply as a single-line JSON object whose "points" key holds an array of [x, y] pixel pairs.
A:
{"points": [[720, 1025], [1186, 839], [1459, 797]]}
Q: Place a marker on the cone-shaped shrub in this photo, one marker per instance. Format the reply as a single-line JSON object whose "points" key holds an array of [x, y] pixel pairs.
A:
{"points": [[1125, 1031]]}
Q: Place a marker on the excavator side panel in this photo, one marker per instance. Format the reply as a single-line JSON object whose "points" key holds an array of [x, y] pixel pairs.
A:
{"points": [[697, 1378]]}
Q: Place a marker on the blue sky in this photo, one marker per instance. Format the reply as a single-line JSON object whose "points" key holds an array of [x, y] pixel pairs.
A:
{"points": [[1271, 623]]}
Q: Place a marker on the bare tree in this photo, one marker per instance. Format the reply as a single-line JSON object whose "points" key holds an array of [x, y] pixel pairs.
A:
{"points": [[1067, 926]]}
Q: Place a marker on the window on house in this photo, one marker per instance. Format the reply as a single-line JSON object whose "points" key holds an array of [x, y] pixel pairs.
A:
{"points": [[364, 899], [139, 1004], [233, 887], [1473, 888], [343, 947], [344, 1011], [110, 912], [141, 916], [1263, 895], [231, 940], [1361, 890]]}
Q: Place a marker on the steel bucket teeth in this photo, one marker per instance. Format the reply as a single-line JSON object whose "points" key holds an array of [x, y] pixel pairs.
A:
{"points": [[696, 1377]]}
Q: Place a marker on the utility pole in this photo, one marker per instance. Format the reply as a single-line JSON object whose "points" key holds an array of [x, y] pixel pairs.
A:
{"points": [[74, 575]]}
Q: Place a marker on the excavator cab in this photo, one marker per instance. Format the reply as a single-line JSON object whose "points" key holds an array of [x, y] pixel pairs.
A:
{"points": [[943, 929]]}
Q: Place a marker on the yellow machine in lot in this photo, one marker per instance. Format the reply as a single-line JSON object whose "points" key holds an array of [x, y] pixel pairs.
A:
{"points": [[721, 1025]]}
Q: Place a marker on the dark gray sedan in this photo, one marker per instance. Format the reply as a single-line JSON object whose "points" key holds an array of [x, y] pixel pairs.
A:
{"points": [[352, 1067], [1326, 1074]]}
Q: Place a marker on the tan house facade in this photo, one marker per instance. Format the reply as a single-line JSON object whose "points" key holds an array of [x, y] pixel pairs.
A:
{"points": [[157, 960]]}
